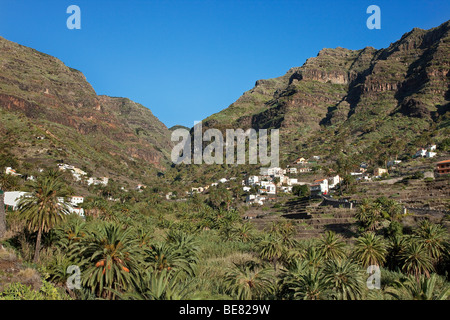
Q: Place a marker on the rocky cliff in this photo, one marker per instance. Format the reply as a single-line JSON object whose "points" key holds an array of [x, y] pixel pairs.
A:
{"points": [[39, 95], [352, 97]]}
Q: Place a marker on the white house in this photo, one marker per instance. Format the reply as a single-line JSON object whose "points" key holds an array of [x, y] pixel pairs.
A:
{"points": [[197, 190], [334, 181], [264, 183], [223, 180], [430, 154], [246, 189], [76, 200], [269, 188], [300, 160], [64, 167], [274, 171], [292, 181], [104, 181], [286, 189], [356, 173], [11, 171], [393, 162], [252, 180], [71, 207], [291, 170], [421, 153], [304, 170], [12, 198], [78, 211], [319, 186], [214, 184], [251, 198], [378, 172]]}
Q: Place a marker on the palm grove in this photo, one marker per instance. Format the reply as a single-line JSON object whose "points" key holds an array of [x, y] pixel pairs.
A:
{"points": [[149, 248]]}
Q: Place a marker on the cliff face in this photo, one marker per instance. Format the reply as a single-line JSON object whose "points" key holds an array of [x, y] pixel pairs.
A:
{"points": [[58, 101], [352, 95]]}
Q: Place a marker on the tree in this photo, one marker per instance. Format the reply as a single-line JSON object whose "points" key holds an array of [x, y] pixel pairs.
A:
{"points": [[312, 285], [271, 249], [390, 209], [397, 244], [369, 215], [248, 281], [9, 182], [301, 190], [163, 285], [220, 196], [110, 259], [178, 253], [313, 257], [331, 246], [370, 249], [419, 289], [42, 209], [433, 238], [345, 279], [416, 260], [344, 165]]}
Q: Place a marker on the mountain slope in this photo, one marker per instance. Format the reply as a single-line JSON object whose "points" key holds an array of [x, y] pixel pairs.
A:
{"points": [[40, 96], [353, 97]]}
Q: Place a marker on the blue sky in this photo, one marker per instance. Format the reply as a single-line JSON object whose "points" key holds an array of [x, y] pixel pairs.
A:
{"points": [[188, 59]]}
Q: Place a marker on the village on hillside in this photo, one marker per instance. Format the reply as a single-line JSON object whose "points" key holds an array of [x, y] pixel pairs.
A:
{"points": [[258, 189], [273, 181]]}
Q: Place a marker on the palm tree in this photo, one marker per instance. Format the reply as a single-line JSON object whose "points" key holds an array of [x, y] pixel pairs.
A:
{"points": [[396, 246], [95, 208], [42, 209], [249, 281], [271, 249], [331, 246], [419, 289], [163, 285], [8, 182], [416, 259], [312, 285], [390, 209], [313, 257], [164, 256], [370, 249], [369, 214], [285, 231], [71, 234], [345, 278], [433, 238], [245, 232], [110, 258], [289, 276]]}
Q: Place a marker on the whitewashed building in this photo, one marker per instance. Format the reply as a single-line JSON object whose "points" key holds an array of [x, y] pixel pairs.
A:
{"points": [[319, 186], [334, 181], [12, 199], [252, 180]]}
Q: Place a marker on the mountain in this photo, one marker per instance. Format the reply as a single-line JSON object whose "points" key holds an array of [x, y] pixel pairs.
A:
{"points": [[354, 99], [42, 97], [175, 127]]}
